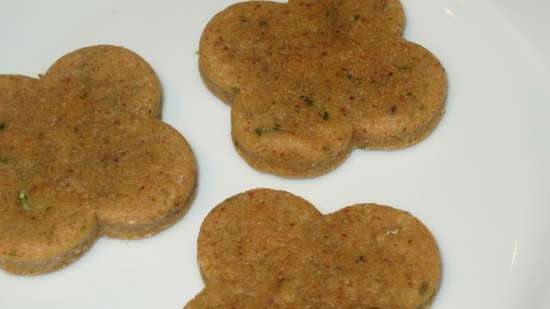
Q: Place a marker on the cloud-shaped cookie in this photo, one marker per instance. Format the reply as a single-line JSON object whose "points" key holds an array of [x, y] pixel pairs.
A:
{"points": [[310, 80], [271, 249], [83, 155]]}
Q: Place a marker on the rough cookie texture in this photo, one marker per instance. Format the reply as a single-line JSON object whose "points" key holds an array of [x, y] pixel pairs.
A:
{"points": [[82, 156], [271, 249], [310, 80]]}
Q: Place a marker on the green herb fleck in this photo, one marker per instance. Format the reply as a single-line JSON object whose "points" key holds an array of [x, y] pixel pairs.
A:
{"points": [[423, 288], [264, 130], [11, 253], [4, 160], [24, 200], [236, 89], [50, 234], [325, 115], [308, 100], [196, 52], [261, 131], [352, 78], [2, 125], [405, 66], [85, 94], [236, 143]]}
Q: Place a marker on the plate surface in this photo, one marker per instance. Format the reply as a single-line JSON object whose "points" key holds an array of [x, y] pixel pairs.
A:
{"points": [[481, 182]]}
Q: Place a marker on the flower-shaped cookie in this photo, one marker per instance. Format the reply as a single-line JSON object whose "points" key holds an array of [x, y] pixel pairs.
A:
{"points": [[271, 249], [82, 155], [309, 80]]}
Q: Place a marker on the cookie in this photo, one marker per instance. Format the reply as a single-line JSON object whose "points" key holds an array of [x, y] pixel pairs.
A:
{"points": [[89, 73], [271, 249], [83, 155], [308, 81]]}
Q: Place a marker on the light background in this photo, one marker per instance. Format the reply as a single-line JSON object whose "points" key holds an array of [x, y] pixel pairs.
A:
{"points": [[480, 182]]}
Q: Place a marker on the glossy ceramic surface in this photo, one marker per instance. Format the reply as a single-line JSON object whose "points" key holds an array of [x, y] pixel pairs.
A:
{"points": [[480, 182]]}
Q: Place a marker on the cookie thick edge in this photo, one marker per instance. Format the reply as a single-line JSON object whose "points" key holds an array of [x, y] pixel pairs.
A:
{"points": [[54, 263], [131, 232], [294, 172]]}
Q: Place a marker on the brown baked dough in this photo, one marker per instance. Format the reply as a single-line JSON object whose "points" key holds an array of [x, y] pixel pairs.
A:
{"points": [[309, 81], [271, 249], [84, 156], [107, 75]]}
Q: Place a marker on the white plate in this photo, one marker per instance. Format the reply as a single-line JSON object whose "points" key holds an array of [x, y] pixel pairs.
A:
{"points": [[480, 182]]}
